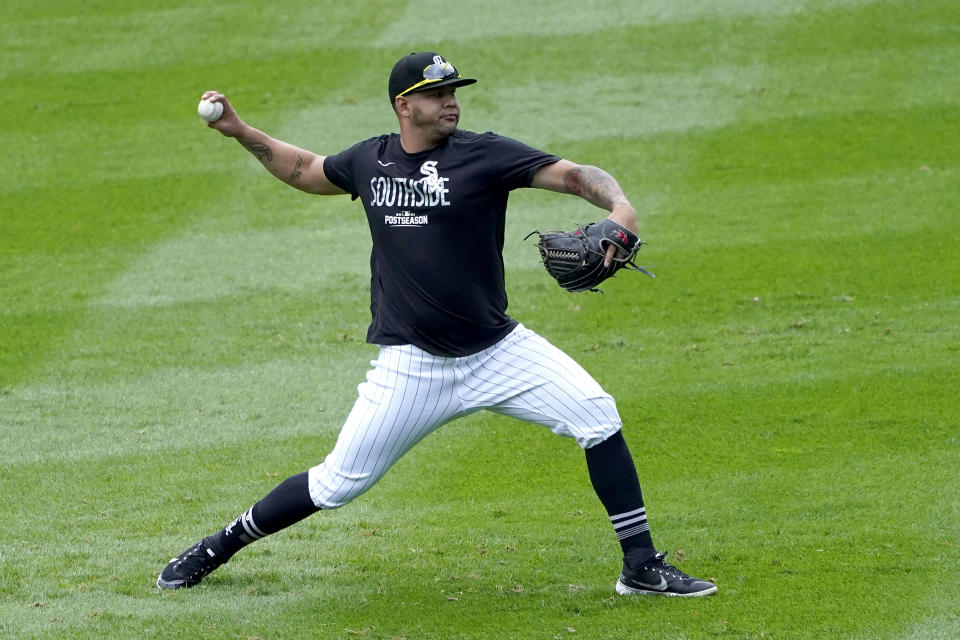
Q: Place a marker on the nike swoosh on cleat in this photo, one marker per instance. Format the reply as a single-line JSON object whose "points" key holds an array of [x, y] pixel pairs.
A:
{"points": [[661, 586]]}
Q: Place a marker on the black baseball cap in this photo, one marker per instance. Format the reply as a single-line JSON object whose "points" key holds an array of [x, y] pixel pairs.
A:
{"points": [[422, 71]]}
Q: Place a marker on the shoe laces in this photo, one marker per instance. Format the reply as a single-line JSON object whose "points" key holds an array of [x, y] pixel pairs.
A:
{"points": [[664, 568], [195, 561]]}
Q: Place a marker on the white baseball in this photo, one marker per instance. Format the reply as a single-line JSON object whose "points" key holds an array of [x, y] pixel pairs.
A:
{"points": [[209, 110]]}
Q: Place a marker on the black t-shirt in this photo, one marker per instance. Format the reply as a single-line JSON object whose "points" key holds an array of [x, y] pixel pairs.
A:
{"points": [[437, 222]]}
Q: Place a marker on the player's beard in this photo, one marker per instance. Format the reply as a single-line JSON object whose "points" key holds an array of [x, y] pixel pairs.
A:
{"points": [[435, 126]]}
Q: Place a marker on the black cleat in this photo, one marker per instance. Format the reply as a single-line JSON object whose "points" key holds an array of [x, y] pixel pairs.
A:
{"points": [[189, 568], [654, 576]]}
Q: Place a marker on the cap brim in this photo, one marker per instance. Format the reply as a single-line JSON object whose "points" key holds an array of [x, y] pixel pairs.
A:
{"points": [[452, 82]]}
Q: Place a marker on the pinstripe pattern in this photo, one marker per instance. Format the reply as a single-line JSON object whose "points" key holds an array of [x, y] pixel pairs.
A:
{"points": [[409, 393], [530, 379]]}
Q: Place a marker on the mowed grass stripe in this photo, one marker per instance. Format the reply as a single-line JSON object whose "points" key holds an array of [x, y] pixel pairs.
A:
{"points": [[499, 18], [176, 407], [120, 36]]}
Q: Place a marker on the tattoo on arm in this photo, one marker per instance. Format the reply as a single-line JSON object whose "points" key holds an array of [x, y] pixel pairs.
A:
{"points": [[595, 186], [259, 150], [295, 176]]}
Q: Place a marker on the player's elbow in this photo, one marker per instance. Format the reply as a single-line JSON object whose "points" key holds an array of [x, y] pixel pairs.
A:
{"points": [[312, 179], [555, 176]]}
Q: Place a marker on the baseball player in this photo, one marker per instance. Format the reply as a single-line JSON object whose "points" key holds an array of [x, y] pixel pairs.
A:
{"points": [[435, 198]]}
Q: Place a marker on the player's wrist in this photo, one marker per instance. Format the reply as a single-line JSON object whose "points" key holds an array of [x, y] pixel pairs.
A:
{"points": [[625, 215], [243, 132]]}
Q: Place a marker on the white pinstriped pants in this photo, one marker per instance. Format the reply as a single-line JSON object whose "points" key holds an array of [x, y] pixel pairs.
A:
{"points": [[409, 393]]}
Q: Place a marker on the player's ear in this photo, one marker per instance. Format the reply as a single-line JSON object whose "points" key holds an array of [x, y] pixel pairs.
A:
{"points": [[401, 106]]}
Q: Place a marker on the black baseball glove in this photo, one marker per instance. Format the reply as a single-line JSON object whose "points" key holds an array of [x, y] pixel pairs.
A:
{"points": [[575, 258]]}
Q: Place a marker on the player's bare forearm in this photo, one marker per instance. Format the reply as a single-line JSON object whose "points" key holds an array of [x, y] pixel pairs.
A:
{"points": [[593, 184], [296, 167]]}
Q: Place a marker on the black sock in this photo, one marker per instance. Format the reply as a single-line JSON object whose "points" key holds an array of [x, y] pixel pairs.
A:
{"points": [[615, 480], [287, 504]]}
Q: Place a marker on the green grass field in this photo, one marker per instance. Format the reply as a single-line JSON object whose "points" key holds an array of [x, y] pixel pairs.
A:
{"points": [[179, 331]]}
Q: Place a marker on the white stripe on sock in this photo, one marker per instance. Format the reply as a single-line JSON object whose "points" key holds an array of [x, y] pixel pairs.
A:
{"points": [[251, 528], [619, 516], [632, 532], [620, 525]]}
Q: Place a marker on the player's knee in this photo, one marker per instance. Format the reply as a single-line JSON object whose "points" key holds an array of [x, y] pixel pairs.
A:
{"points": [[592, 437], [605, 423], [331, 488]]}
